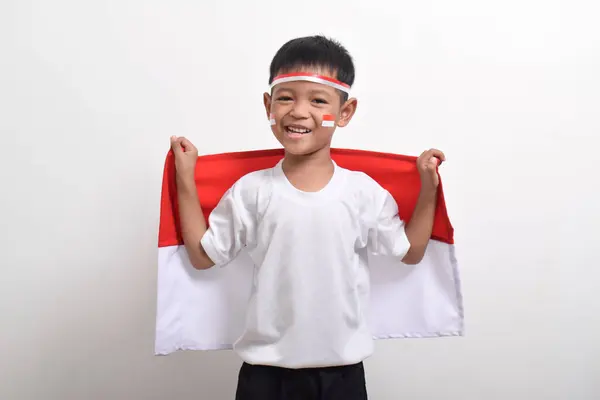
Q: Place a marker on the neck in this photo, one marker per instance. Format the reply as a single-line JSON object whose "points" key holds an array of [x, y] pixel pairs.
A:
{"points": [[309, 172], [319, 159]]}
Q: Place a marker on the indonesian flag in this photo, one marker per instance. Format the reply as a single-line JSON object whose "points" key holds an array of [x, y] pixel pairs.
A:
{"points": [[205, 310], [328, 121]]}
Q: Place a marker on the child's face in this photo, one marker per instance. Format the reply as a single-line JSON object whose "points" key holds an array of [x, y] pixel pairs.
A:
{"points": [[298, 109]]}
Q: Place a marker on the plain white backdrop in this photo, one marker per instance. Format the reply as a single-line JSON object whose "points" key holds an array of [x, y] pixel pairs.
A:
{"points": [[91, 91]]}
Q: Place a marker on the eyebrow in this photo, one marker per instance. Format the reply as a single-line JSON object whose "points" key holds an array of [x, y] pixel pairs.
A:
{"points": [[321, 91]]}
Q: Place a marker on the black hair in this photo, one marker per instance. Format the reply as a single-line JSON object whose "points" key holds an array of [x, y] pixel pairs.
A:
{"points": [[314, 51]]}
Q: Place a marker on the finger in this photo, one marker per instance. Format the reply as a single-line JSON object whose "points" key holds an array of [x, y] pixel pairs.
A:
{"points": [[432, 159], [181, 143], [438, 154], [433, 163], [426, 157], [187, 145], [175, 144], [423, 158]]}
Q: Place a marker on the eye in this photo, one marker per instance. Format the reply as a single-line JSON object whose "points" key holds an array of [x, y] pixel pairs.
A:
{"points": [[320, 101], [284, 98]]}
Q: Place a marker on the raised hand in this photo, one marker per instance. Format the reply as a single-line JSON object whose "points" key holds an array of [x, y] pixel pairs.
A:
{"points": [[427, 164], [186, 156]]}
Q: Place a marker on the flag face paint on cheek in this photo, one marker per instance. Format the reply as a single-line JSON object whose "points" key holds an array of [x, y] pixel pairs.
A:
{"points": [[328, 121], [272, 119]]}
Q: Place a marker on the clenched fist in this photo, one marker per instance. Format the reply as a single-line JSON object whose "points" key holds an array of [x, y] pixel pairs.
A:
{"points": [[186, 156], [427, 164]]}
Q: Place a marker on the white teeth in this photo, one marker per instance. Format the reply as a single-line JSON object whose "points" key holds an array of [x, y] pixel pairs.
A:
{"points": [[297, 130]]}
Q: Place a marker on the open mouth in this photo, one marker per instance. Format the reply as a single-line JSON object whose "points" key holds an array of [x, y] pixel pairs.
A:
{"points": [[296, 131]]}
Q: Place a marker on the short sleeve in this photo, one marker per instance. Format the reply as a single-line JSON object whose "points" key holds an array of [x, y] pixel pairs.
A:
{"points": [[387, 234], [230, 227]]}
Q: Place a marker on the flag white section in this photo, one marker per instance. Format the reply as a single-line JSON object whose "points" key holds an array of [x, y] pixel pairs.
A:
{"points": [[205, 310]]}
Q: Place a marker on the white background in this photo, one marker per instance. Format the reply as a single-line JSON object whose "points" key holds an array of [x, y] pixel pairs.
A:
{"points": [[91, 91]]}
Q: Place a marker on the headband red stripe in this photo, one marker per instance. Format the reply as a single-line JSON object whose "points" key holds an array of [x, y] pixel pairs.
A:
{"points": [[326, 78]]}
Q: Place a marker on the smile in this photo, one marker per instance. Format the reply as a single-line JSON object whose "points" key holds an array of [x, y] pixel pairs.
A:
{"points": [[297, 130]]}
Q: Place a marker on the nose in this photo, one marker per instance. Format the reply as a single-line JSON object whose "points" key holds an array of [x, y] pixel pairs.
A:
{"points": [[300, 110]]}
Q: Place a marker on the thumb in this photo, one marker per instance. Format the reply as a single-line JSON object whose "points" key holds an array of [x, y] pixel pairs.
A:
{"points": [[175, 145], [433, 163]]}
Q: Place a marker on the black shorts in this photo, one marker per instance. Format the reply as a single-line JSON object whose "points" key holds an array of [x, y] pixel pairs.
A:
{"points": [[258, 382]]}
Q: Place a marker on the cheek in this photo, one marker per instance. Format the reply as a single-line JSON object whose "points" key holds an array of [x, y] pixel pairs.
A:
{"points": [[276, 114]]}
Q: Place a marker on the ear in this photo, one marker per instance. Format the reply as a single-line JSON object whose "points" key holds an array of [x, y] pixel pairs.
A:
{"points": [[347, 112], [267, 103]]}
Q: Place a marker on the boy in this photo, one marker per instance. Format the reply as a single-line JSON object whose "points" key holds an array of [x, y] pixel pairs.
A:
{"points": [[308, 226]]}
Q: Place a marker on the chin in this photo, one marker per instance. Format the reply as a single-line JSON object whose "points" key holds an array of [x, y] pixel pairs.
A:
{"points": [[301, 147], [299, 150]]}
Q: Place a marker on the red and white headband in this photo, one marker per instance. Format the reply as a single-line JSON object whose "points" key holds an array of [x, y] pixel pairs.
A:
{"points": [[299, 76]]}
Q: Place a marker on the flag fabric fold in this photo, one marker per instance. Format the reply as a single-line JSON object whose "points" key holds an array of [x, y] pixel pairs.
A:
{"points": [[205, 310]]}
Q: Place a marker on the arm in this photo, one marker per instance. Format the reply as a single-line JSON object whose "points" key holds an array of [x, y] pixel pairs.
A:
{"points": [[420, 226], [193, 224], [418, 229]]}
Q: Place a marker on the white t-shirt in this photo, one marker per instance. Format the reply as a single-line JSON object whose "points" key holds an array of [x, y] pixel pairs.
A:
{"points": [[311, 285]]}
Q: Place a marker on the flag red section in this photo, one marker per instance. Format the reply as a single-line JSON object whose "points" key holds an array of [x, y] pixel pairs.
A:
{"points": [[216, 173]]}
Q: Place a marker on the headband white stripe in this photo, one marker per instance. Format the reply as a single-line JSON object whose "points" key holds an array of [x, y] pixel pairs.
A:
{"points": [[309, 79]]}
